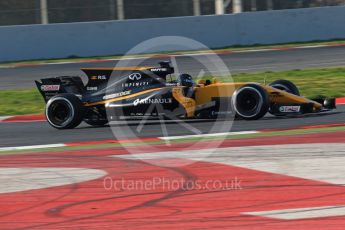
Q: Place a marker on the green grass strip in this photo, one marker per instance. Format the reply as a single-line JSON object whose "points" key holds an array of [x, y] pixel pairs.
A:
{"points": [[18, 102]]}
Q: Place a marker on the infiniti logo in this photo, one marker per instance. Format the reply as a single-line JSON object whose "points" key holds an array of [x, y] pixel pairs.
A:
{"points": [[135, 76]]}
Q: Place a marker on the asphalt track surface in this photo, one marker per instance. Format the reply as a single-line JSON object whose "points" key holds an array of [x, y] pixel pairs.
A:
{"points": [[21, 134], [23, 77], [38, 133]]}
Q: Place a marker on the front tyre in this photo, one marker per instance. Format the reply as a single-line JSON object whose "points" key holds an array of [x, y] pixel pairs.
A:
{"points": [[250, 102], [64, 111], [286, 86]]}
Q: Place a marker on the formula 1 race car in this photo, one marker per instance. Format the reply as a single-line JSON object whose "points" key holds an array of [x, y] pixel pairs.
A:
{"points": [[138, 92]]}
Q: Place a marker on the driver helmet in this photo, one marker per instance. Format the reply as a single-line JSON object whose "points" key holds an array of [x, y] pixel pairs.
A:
{"points": [[185, 80]]}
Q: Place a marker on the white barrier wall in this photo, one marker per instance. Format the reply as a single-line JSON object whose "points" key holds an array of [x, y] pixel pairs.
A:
{"points": [[117, 37]]}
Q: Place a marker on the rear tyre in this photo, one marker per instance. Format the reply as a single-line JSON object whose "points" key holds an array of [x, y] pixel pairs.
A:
{"points": [[250, 102], [286, 86], [64, 111]]}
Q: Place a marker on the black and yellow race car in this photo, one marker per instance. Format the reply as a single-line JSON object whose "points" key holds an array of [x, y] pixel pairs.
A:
{"points": [[138, 92]]}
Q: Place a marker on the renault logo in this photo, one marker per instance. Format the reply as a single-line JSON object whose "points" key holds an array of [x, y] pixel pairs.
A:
{"points": [[135, 76]]}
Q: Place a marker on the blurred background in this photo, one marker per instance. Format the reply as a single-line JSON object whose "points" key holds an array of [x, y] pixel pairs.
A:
{"points": [[21, 12]]}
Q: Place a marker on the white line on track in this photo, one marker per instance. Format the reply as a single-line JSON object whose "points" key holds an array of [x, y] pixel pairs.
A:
{"points": [[254, 51], [208, 135], [151, 121], [33, 147], [311, 47], [3, 149], [301, 213]]}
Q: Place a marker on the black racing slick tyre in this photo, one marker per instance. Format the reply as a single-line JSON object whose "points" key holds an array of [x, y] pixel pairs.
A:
{"points": [[64, 111], [250, 102], [286, 86]]}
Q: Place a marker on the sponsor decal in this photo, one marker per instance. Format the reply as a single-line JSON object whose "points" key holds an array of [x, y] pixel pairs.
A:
{"points": [[134, 77], [159, 70], [152, 101], [290, 109], [99, 77], [146, 114], [115, 95], [135, 84], [47, 88], [92, 88]]}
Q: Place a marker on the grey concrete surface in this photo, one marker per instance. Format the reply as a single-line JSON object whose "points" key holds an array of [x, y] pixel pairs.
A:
{"points": [[118, 37]]}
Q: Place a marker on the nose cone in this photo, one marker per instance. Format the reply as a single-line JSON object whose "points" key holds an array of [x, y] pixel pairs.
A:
{"points": [[329, 103]]}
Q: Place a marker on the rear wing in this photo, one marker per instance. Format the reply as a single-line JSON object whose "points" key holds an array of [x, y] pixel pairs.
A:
{"points": [[50, 87]]}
